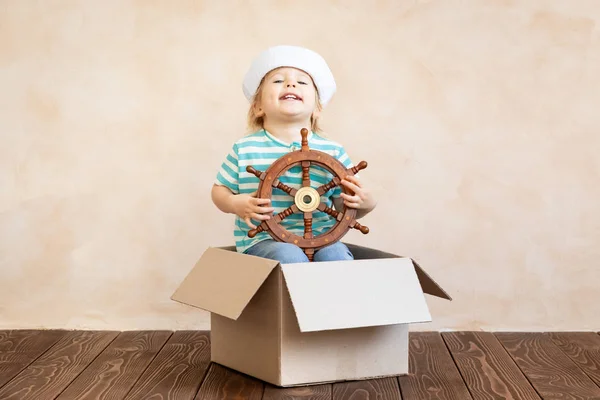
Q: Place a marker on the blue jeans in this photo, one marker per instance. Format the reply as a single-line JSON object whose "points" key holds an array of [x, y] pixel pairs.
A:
{"points": [[287, 253]]}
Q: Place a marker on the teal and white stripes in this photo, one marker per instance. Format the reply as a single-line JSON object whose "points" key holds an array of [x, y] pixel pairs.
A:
{"points": [[260, 150]]}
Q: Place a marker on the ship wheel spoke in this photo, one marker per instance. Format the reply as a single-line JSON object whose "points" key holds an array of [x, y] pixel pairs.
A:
{"points": [[289, 190], [293, 209]]}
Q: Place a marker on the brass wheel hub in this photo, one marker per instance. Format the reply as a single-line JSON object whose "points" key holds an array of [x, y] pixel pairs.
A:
{"points": [[307, 199]]}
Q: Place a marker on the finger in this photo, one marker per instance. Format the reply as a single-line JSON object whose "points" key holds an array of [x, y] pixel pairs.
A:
{"points": [[260, 217], [351, 204], [258, 201], [354, 199], [263, 210], [249, 223], [354, 179], [350, 185]]}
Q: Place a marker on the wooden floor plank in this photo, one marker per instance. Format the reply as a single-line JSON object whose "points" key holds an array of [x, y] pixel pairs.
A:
{"points": [[223, 383], [549, 370], [373, 389], [38, 364], [489, 372], [433, 374], [583, 348], [314, 392], [19, 348], [50, 374], [178, 369], [113, 373]]}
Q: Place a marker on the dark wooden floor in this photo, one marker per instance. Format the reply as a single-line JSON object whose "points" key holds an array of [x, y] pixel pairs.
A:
{"points": [[46, 365]]}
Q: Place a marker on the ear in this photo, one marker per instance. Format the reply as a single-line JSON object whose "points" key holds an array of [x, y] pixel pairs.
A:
{"points": [[316, 114], [318, 106], [258, 111]]}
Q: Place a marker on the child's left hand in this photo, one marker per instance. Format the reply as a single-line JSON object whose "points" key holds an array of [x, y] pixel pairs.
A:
{"points": [[362, 199]]}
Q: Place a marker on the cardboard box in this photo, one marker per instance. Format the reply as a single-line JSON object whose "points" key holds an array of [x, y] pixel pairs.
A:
{"points": [[309, 323]]}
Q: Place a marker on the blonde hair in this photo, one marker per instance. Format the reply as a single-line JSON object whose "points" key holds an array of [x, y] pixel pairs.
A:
{"points": [[256, 122]]}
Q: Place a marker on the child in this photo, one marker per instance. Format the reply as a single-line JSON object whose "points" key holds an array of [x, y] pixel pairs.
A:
{"points": [[287, 86]]}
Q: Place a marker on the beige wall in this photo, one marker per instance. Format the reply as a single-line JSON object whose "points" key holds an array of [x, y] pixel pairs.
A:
{"points": [[479, 120]]}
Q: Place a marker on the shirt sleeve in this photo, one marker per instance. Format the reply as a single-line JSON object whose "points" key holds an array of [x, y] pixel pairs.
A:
{"points": [[228, 174], [344, 159]]}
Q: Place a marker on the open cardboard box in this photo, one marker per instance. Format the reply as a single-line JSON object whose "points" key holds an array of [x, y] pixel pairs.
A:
{"points": [[309, 323]]}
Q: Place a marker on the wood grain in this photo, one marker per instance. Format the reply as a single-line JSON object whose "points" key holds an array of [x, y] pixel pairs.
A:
{"points": [[37, 364], [583, 348], [178, 369], [374, 389], [316, 392], [50, 374], [549, 370], [112, 374], [19, 348], [222, 383], [489, 372], [433, 374]]}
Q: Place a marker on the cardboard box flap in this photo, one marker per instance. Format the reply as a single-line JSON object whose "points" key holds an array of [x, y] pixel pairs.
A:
{"points": [[223, 282], [428, 285], [339, 295]]}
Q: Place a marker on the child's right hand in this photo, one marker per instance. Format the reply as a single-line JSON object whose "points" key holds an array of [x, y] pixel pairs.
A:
{"points": [[247, 206]]}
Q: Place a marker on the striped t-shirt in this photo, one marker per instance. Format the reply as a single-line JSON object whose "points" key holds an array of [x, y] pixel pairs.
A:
{"points": [[260, 150]]}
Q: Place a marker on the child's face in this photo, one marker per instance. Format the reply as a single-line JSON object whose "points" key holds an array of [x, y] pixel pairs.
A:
{"points": [[288, 93]]}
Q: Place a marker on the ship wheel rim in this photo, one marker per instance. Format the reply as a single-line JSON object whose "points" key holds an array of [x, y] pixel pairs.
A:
{"points": [[277, 169]]}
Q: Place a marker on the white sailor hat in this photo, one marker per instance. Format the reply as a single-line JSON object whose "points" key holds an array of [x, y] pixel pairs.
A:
{"points": [[291, 56]]}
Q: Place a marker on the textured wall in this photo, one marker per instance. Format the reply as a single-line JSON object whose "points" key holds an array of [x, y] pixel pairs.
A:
{"points": [[478, 118]]}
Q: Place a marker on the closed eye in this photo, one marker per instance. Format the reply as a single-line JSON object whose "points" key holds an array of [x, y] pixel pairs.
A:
{"points": [[281, 80]]}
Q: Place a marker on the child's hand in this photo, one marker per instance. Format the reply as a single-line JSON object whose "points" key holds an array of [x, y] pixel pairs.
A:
{"points": [[247, 206], [362, 199]]}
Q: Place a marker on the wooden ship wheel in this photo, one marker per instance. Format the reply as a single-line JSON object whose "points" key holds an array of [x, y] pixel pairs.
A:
{"points": [[307, 199]]}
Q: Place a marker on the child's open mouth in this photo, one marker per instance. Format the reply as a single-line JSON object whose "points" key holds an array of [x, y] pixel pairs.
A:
{"points": [[290, 96]]}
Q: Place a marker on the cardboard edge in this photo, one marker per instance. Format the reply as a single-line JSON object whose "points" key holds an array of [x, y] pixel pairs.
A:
{"points": [[428, 284], [424, 321], [425, 279], [366, 378], [246, 374], [223, 250], [188, 304], [427, 319], [282, 292], [280, 384], [285, 291]]}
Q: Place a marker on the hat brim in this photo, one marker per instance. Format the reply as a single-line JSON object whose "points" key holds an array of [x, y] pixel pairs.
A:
{"points": [[294, 57]]}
